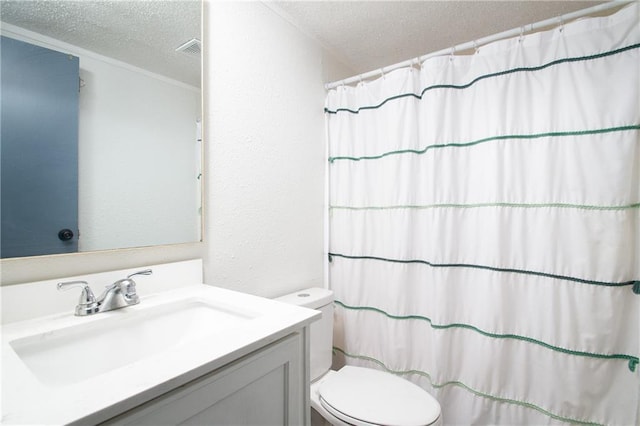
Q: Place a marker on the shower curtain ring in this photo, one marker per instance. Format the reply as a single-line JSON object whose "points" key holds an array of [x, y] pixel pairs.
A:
{"points": [[561, 24], [476, 49], [521, 38], [453, 52]]}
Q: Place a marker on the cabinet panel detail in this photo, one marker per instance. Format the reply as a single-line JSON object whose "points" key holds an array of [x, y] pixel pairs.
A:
{"points": [[263, 388]]}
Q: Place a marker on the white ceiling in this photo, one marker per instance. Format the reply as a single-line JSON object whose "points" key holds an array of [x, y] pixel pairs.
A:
{"points": [[364, 35], [141, 33], [368, 35]]}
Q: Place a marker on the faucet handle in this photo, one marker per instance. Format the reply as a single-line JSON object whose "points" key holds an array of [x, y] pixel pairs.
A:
{"points": [[87, 303], [129, 285], [143, 272]]}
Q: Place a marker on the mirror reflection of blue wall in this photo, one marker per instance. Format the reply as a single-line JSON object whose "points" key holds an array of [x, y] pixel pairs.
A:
{"points": [[39, 150]]}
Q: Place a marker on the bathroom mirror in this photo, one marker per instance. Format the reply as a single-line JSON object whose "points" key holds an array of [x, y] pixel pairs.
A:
{"points": [[137, 156]]}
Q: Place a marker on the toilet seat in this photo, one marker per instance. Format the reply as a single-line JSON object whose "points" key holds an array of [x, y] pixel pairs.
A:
{"points": [[366, 397]]}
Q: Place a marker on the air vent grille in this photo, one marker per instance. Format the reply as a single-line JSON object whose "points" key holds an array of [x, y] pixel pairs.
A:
{"points": [[192, 47]]}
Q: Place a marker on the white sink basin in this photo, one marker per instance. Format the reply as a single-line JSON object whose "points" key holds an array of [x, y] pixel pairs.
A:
{"points": [[73, 354], [86, 370]]}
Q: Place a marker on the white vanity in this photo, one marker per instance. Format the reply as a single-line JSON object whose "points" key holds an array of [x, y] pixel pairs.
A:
{"points": [[188, 353]]}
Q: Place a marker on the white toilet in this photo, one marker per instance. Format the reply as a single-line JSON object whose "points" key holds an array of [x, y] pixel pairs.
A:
{"points": [[356, 396]]}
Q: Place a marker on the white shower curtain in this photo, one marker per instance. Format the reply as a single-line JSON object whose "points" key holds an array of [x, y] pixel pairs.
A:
{"points": [[485, 226]]}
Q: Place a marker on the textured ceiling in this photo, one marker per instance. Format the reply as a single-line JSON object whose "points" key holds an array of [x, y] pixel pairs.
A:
{"points": [[141, 33], [368, 35], [364, 35]]}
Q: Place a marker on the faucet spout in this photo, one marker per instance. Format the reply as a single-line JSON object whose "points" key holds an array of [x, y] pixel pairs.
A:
{"points": [[121, 293], [114, 298]]}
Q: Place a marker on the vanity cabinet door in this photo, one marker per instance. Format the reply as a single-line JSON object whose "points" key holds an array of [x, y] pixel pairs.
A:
{"points": [[264, 388]]}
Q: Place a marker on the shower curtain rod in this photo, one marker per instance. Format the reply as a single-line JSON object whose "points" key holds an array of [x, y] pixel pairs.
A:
{"points": [[560, 20]]}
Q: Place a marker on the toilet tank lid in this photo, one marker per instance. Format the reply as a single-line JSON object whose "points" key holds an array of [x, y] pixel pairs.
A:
{"points": [[313, 298]]}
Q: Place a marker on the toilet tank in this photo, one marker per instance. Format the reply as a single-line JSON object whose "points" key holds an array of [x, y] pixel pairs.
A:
{"points": [[321, 340]]}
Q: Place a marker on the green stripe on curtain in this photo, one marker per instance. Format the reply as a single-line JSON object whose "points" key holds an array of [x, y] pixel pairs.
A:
{"points": [[490, 139], [468, 388], [632, 360], [490, 268], [486, 76]]}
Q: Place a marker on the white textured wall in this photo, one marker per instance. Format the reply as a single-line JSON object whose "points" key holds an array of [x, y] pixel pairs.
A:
{"points": [[265, 136], [334, 70]]}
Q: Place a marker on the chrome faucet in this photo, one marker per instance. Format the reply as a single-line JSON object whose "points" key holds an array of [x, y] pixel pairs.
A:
{"points": [[118, 295]]}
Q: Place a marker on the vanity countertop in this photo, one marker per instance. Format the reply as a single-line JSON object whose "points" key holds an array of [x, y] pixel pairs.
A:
{"points": [[206, 346]]}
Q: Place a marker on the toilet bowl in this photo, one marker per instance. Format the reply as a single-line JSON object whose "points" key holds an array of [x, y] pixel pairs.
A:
{"points": [[357, 396]]}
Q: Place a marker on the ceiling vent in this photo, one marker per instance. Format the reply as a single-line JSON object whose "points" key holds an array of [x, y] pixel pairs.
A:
{"points": [[192, 47]]}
